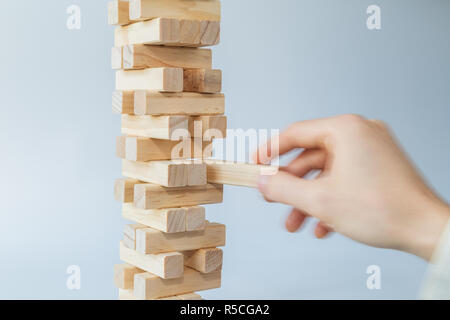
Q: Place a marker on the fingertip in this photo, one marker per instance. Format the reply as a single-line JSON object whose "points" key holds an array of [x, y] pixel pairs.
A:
{"points": [[295, 220], [321, 232]]}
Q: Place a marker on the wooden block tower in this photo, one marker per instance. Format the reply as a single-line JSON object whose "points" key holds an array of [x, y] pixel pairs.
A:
{"points": [[169, 99]]}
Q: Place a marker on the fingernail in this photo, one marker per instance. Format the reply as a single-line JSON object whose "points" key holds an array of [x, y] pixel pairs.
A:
{"points": [[262, 183]]}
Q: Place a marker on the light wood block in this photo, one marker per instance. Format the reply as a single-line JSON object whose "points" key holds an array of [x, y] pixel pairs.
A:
{"points": [[202, 80], [157, 79], [169, 32], [166, 220], [148, 149], [129, 295], [208, 127], [129, 230], [162, 127], [151, 241], [129, 243], [185, 103], [165, 173], [124, 275], [189, 296], [195, 10], [116, 58], [238, 174], [195, 218], [118, 12], [196, 172], [204, 260], [142, 56], [124, 190], [123, 102], [165, 265], [148, 286], [151, 196]]}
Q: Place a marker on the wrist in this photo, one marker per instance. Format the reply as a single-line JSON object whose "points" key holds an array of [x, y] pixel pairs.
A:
{"points": [[426, 230]]}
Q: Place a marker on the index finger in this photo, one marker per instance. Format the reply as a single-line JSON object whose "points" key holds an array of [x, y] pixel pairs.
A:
{"points": [[307, 134]]}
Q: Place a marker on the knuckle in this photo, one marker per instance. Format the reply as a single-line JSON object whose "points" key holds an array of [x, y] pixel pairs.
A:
{"points": [[351, 119], [352, 123]]}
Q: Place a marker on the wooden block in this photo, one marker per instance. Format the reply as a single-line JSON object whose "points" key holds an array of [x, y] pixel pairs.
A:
{"points": [[204, 260], [208, 127], [210, 33], [151, 196], [196, 172], [129, 230], [157, 79], [124, 190], [162, 127], [165, 173], [184, 103], [148, 286], [124, 275], [142, 56], [195, 218], [123, 102], [190, 296], [151, 241], [165, 265], [118, 13], [195, 10], [160, 31], [166, 220], [169, 32], [238, 174], [116, 58], [126, 294], [148, 149], [129, 243], [202, 80], [129, 295]]}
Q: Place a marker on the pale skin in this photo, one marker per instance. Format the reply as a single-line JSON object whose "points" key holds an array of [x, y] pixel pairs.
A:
{"points": [[368, 189]]}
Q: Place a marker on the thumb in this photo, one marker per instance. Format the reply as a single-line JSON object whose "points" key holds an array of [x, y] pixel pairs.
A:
{"points": [[286, 188]]}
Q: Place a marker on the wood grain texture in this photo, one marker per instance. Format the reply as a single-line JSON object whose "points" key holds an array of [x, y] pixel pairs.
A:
{"points": [[169, 32], [151, 196], [118, 12], [124, 190], [165, 173], [159, 127], [151, 241], [148, 149], [123, 102], [238, 174], [129, 230], [169, 220], [202, 80], [142, 56], [157, 79], [182, 9], [185, 103], [208, 127], [196, 172], [165, 265], [195, 218], [129, 243], [147, 286], [129, 295], [204, 260], [124, 275], [117, 58]]}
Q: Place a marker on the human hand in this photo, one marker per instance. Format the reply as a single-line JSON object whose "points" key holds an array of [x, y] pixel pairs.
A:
{"points": [[368, 189]]}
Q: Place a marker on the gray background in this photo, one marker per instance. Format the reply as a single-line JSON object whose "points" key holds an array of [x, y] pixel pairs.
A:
{"points": [[282, 61]]}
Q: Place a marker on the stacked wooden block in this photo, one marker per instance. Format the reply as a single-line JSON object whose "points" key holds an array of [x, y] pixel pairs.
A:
{"points": [[169, 99]]}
